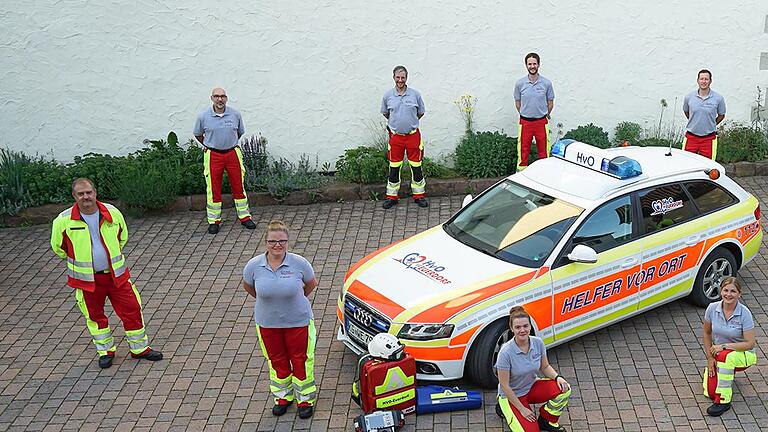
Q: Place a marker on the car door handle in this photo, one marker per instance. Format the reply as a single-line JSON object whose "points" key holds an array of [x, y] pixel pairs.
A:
{"points": [[695, 239], [631, 262]]}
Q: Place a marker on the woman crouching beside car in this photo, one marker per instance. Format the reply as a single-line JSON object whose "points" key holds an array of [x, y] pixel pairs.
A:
{"points": [[729, 342], [516, 366]]}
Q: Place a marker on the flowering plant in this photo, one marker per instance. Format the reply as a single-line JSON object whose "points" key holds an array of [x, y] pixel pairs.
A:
{"points": [[466, 104]]}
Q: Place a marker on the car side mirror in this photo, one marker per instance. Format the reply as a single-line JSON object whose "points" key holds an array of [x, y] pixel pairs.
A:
{"points": [[583, 254], [467, 200]]}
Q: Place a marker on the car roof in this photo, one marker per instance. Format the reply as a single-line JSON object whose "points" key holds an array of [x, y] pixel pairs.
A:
{"points": [[587, 184]]}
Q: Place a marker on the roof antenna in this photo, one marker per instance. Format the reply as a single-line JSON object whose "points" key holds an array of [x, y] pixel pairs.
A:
{"points": [[669, 151]]}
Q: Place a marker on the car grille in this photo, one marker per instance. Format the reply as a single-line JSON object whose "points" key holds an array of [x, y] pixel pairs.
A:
{"points": [[364, 317]]}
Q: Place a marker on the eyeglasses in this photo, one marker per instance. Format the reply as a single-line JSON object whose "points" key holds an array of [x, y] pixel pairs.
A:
{"points": [[276, 242], [219, 96]]}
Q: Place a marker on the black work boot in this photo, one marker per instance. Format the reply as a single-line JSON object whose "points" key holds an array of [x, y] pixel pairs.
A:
{"points": [[105, 361], [213, 228], [150, 355], [716, 409], [306, 411], [388, 203], [248, 224], [280, 408], [422, 202], [546, 426]]}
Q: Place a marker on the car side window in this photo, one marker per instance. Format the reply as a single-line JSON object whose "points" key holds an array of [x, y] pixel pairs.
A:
{"points": [[607, 227], [665, 206], [709, 196]]}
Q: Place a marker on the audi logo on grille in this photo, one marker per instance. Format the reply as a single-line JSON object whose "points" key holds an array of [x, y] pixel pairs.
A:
{"points": [[363, 317]]}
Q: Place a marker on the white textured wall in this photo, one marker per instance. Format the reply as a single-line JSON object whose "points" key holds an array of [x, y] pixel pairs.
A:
{"points": [[79, 76]]}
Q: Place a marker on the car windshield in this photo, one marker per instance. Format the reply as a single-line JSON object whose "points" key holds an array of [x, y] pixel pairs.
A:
{"points": [[514, 223]]}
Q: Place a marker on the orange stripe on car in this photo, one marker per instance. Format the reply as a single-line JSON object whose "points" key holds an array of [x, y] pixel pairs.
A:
{"points": [[436, 353], [375, 299], [441, 312], [464, 338]]}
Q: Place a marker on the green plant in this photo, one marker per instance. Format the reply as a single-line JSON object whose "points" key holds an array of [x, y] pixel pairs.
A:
{"points": [[378, 137], [47, 181], [589, 134], [13, 193], [737, 142], [485, 154], [627, 131], [282, 177], [99, 168], [466, 104], [255, 157], [186, 165], [144, 183], [362, 165]]}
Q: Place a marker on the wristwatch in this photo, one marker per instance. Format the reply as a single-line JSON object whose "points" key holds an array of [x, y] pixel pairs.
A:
{"points": [[722, 347]]}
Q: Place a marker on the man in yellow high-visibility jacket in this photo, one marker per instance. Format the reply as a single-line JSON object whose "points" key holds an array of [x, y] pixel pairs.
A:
{"points": [[90, 235]]}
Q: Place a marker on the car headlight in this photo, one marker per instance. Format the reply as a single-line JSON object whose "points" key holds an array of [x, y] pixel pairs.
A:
{"points": [[425, 331]]}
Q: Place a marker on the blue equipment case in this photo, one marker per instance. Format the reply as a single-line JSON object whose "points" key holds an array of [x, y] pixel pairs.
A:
{"points": [[434, 398]]}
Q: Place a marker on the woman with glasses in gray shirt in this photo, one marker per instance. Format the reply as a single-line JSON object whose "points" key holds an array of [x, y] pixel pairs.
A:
{"points": [[729, 343], [280, 282]]}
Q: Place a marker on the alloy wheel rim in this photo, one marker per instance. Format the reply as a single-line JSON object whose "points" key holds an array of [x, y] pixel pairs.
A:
{"points": [[713, 277]]}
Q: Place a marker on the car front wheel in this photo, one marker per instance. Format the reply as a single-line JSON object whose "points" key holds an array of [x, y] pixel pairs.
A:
{"points": [[706, 288], [482, 356]]}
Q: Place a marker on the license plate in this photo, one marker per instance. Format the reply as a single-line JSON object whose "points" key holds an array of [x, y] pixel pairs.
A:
{"points": [[359, 335]]}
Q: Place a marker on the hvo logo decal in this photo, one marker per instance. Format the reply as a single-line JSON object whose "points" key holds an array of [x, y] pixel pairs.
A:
{"points": [[424, 266]]}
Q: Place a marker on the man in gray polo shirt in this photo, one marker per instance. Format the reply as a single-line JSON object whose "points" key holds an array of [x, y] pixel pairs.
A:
{"points": [[218, 129], [534, 100], [704, 110], [403, 106]]}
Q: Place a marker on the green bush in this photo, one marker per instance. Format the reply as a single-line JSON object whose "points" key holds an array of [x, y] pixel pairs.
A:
{"points": [[589, 134], [434, 169], [627, 131], [362, 165], [100, 169], [485, 154], [737, 142], [282, 177], [145, 183], [13, 193], [186, 165], [48, 181]]}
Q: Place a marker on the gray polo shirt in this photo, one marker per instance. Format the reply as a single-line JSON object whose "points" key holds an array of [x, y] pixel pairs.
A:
{"points": [[533, 96], [220, 131], [280, 299], [730, 330], [98, 253], [702, 111], [522, 367], [403, 109]]}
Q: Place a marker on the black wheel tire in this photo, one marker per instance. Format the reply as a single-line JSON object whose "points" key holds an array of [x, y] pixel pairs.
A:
{"points": [[706, 288], [482, 354]]}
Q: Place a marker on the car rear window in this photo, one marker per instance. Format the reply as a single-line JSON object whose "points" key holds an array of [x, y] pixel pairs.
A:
{"points": [[709, 196]]}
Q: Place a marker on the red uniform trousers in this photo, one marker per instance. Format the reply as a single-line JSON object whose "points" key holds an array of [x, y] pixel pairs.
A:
{"points": [[527, 131], [125, 301], [400, 146], [215, 162], [543, 390], [702, 145], [290, 353]]}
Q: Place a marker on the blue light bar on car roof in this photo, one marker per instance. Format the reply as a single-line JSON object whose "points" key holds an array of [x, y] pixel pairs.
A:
{"points": [[595, 159]]}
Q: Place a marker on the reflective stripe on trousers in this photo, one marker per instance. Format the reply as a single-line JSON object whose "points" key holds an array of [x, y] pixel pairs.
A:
{"points": [[719, 388], [214, 165], [543, 390], [290, 355], [399, 147]]}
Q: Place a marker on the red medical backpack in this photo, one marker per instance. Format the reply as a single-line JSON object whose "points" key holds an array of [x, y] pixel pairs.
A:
{"points": [[385, 384]]}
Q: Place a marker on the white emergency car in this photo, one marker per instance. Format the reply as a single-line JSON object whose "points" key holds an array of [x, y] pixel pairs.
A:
{"points": [[582, 240]]}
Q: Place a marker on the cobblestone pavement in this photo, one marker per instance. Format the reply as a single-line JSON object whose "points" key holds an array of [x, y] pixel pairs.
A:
{"points": [[641, 374]]}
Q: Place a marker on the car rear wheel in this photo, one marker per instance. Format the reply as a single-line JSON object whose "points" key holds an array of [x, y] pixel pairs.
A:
{"points": [[483, 353], [706, 288]]}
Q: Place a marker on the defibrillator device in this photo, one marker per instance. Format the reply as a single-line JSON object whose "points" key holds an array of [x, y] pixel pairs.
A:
{"points": [[380, 421], [385, 378]]}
